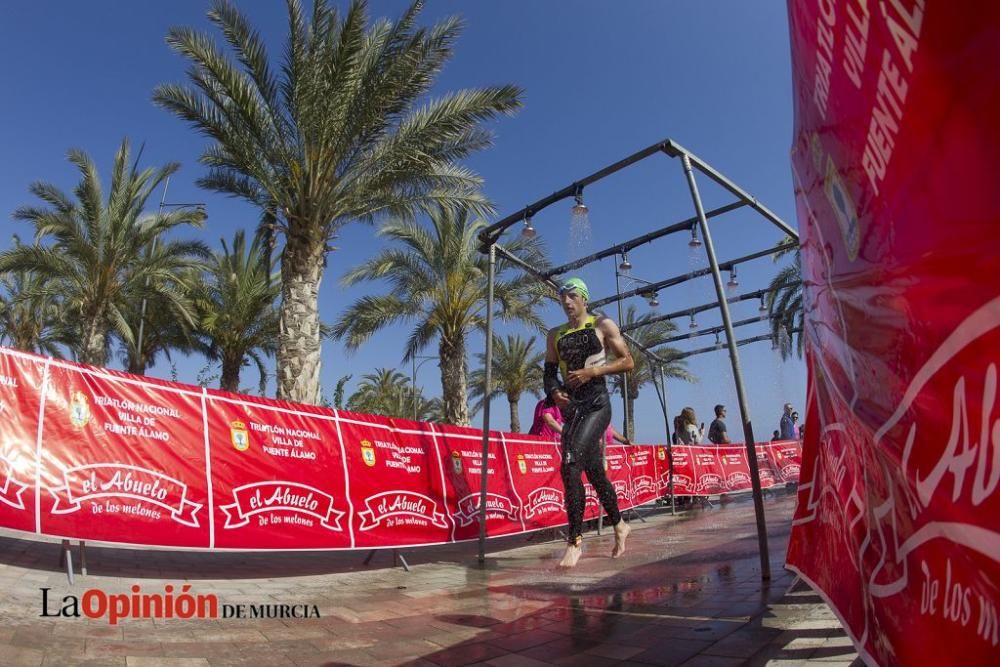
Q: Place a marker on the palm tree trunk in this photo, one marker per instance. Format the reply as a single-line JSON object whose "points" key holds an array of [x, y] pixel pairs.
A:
{"points": [[298, 354], [93, 347], [136, 363], [453, 381], [632, 395], [230, 380], [515, 418]]}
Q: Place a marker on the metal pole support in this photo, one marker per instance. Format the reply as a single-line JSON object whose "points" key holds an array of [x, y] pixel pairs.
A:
{"points": [[488, 382], [734, 358]]}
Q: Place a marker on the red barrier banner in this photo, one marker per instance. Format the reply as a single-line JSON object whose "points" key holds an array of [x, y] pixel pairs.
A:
{"points": [[392, 466], [642, 464], [785, 461], [100, 455], [733, 467], [122, 457], [278, 476], [461, 450], [896, 153], [709, 478], [536, 482], [619, 474], [20, 399]]}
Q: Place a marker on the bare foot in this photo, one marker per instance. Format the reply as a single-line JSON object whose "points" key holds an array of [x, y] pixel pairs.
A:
{"points": [[621, 532], [572, 555]]}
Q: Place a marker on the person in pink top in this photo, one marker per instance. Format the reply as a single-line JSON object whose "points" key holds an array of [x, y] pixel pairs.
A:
{"points": [[611, 436], [548, 420]]}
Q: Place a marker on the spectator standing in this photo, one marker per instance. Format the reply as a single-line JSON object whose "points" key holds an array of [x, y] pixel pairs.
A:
{"points": [[786, 427], [611, 436], [717, 433], [796, 429], [548, 420], [690, 433], [678, 427]]}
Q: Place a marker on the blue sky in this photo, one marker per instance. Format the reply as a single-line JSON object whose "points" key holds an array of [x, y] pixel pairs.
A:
{"points": [[601, 81]]}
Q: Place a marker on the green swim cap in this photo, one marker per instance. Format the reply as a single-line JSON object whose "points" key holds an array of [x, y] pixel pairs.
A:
{"points": [[575, 284]]}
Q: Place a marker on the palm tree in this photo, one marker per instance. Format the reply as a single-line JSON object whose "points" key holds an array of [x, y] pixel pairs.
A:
{"points": [[238, 321], [389, 393], [98, 258], [438, 279], [163, 333], [784, 302], [30, 316], [335, 136], [517, 369], [651, 336]]}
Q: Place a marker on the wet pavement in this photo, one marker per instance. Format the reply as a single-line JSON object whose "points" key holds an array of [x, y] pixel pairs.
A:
{"points": [[688, 592]]}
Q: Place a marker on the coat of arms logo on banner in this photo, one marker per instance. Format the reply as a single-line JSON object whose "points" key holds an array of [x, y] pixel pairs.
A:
{"points": [[239, 435], [661, 453], [368, 453], [79, 410], [843, 208], [456, 462], [522, 465]]}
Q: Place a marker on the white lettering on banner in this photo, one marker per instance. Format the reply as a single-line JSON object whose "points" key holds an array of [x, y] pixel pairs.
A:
{"points": [[957, 462], [709, 482], [8, 381], [856, 40], [127, 484], [128, 430], [642, 484], [737, 480], [497, 507], [952, 600], [402, 449], [470, 454], [967, 469], [824, 54], [683, 481], [281, 496], [113, 480], [544, 497], [398, 503], [142, 408], [403, 465], [285, 435], [285, 498], [891, 89]]}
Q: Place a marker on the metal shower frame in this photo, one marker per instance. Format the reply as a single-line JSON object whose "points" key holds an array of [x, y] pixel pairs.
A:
{"points": [[489, 239]]}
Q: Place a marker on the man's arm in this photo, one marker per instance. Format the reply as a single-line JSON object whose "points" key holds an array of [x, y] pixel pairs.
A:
{"points": [[613, 343]]}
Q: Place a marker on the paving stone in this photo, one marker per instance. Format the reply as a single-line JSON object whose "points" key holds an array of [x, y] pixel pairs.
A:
{"points": [[687, 592]]}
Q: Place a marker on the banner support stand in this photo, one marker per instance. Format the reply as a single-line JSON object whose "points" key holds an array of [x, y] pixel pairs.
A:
{"points": [[66, 558], [396, 555]]}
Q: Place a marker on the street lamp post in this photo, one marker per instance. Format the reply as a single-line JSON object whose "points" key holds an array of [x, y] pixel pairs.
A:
{"points": [[152, 249], [413, 378], [621, 322]]}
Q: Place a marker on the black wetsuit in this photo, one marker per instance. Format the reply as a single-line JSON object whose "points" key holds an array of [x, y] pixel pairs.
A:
{"points": [[586, 419]]}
